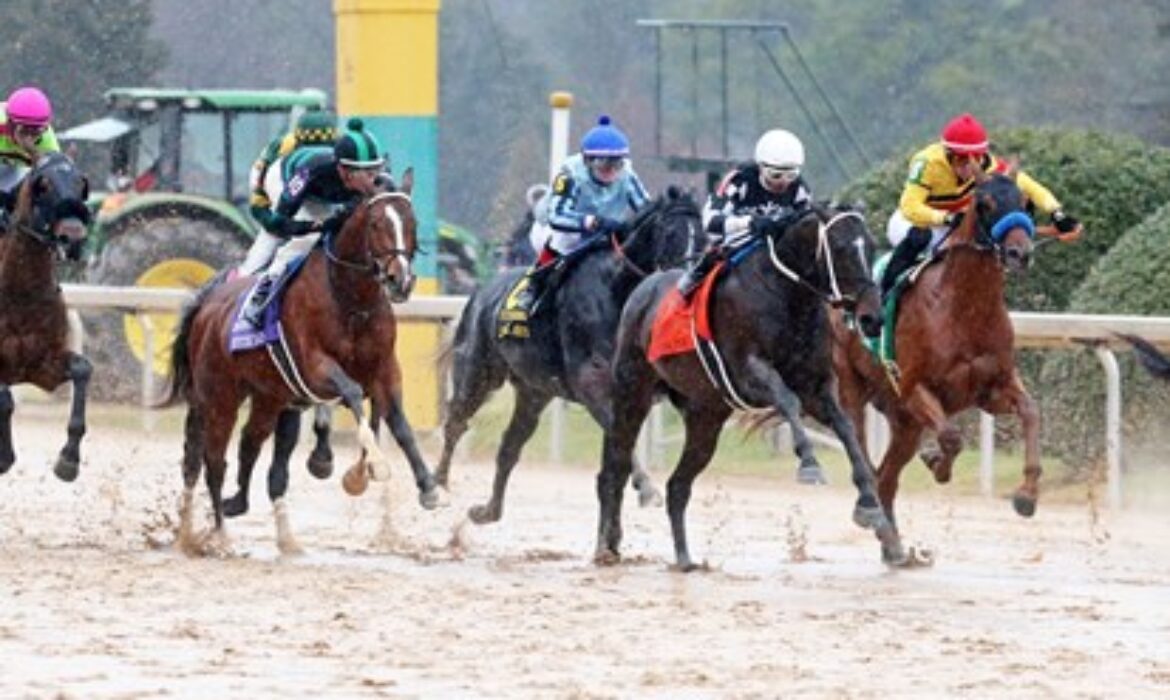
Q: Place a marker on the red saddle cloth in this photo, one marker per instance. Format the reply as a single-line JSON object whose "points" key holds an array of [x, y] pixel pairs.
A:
{"points": [[671, 333]]}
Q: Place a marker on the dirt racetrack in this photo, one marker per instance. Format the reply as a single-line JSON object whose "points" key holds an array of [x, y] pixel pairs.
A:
{"points": [[392, 601]]}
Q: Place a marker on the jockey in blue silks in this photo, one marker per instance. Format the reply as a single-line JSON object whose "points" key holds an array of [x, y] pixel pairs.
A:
{"points": [[591, 195]]}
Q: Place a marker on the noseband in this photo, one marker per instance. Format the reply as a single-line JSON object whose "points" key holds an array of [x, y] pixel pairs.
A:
{"points": [[375, 265], [834, 296]]}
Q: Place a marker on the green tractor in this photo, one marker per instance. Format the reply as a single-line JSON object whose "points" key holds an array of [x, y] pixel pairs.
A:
{"points": [[176, 166]]}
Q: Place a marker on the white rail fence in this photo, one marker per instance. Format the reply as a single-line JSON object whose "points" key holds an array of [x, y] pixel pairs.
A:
{"points": [[1032, 331]]}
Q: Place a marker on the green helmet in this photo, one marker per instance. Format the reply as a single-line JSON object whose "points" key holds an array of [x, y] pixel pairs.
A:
{"points": [[316, 127], [357, 147]]}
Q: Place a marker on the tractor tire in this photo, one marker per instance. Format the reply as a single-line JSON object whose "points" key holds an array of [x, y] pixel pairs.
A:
{"points": [[156, 252]]}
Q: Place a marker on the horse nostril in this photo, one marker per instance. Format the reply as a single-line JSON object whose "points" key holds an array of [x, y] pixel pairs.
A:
{"points": [[871, 325]]}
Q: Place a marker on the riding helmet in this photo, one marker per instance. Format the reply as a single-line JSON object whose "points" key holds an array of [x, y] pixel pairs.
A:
{"points": [[28, 105], [965, 135], [605, 141], [358, 148], [316, 127], [780, 149]]}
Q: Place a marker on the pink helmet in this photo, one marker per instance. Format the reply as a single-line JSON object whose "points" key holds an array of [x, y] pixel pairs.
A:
{"points": [[28, 105]]}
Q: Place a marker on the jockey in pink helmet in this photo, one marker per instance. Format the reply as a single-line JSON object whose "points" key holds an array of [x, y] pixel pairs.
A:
{"points": [[25, 130]]}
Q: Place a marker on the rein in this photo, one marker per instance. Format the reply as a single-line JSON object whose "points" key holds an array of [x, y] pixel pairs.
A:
{"points": [[833, 297], [372, 265], [619, 250]]}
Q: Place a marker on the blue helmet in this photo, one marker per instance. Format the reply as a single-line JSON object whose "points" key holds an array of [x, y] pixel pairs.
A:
{"points": [[605, 141]]}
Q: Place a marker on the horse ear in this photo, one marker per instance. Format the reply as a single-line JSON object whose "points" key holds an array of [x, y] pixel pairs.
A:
{"points": [[407, 181], [673, 192]]}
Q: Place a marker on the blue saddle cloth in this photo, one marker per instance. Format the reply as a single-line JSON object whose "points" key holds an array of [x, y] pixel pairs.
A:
{"points": [[243, 335]]}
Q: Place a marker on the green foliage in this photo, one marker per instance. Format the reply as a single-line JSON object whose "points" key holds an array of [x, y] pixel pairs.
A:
{"points": [[76, 50], [1111, 182], [1130, 279]]}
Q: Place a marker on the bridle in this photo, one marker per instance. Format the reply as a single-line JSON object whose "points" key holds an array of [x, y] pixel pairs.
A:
{"points": [[377, 266], [40, 226], [662, 210], [834, 296]]}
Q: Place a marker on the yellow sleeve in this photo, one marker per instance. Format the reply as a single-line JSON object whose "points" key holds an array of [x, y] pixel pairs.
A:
{"points": [[913, 202], [1044, 200]]}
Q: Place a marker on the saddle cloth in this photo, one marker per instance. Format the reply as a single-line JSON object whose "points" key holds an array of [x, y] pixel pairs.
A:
{"points": [[243, 336], [679, 321], [512, 321]]}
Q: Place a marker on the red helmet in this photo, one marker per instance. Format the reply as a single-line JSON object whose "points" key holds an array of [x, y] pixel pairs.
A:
{"points": [[965, 135]]}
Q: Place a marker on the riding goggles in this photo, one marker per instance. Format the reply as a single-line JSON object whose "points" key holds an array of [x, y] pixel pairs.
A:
{"points": [[780, 173], [29, 130], [607, 162]]}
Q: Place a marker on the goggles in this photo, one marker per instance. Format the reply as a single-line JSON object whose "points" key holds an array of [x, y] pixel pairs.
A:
{"points": [[607, 162], [779, 173], [32, 130]]}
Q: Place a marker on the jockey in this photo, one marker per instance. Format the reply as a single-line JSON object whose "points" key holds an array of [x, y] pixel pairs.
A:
{"points": [[314, 133], [354, 169], [590, 196], [938, 189], [25, 135], [749, 199]]}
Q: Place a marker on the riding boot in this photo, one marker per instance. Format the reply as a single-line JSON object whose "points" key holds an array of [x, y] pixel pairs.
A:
{"points": [[689, 282], [253, 313], [538, 276], [905, 255]]}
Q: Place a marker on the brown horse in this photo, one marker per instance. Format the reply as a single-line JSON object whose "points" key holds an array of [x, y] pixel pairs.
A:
{"points": [[340, 330], [953, 344], [49, 218]]}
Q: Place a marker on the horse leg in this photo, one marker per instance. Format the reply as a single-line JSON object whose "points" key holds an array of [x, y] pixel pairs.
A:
{"points": [[633, 397], [251, 440], [702, 435], [905, 434], [525, 418], [595, 395], [474, 382], [1014, 398], [809, 469], [192, 466], [321, 459], [928, 411], [355, 480], [217, 433], [428, 495], [288, 429], [79, 372], [7, 406]]}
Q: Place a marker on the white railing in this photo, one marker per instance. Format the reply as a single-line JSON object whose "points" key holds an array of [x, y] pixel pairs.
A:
{"points": [[1033, 330]]}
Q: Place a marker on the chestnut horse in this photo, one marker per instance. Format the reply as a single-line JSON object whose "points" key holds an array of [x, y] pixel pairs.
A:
{"points": [[49, 219], [770, 321], [340, 329], [953, 346]]}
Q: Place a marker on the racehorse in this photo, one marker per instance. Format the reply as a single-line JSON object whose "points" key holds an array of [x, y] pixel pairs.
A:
{"points": [[568, 353], [954, 346], [340, 328], [770, 323], [49, 219]]}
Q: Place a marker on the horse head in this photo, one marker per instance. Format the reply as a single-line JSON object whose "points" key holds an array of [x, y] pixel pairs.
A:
{"points": [[50, 205], [841, 248], [996, 220], [666, 233], [381, 239]]}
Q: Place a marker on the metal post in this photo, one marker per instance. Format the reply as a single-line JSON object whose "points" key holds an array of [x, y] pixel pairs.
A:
{"points": [[1112, 422], [558, 150], [986, 453], [147, 358]]}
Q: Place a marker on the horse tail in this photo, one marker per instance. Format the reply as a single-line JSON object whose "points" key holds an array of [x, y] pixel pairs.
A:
{"points": [[178, 387], [1154, 361]]}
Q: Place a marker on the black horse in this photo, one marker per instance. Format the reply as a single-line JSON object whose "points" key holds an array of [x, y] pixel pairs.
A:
{"points": [[571, 343], [770, 321], [1148, 356]]}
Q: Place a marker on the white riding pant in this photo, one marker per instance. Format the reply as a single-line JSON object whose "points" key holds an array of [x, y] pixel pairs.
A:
{"points": [[538, 235], [295, 248], [259, 255], [899, 225]]}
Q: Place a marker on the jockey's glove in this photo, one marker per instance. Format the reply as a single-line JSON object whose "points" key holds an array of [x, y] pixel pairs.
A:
{"points": [[760, 226], [605, 226], [953, 219], [1063, 222], [293, 229]]}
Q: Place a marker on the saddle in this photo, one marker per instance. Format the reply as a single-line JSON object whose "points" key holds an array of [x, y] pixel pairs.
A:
{"points": [[243, 336], [882, 347], [513, 321]]}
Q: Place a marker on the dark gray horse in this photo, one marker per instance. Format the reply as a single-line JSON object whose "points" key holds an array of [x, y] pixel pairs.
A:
{"points": [[771, 324], [572, 338]]}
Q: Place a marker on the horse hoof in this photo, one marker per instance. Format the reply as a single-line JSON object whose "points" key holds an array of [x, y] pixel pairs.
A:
{"points": [[355, 481], [430, 499], [1025, 505], [811, 474], [320, 466], [606, 557], [870, 517], [649, 497], [66, 469], [441, 478], [482, 515], [235, 506], [5, 466]]}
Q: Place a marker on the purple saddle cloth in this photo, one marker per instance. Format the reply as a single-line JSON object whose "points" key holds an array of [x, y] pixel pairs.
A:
{"points": [[244, 336]]}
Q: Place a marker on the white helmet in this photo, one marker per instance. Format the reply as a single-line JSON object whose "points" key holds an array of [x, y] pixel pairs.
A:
{"points": [[780, 149]]}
